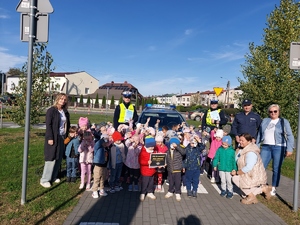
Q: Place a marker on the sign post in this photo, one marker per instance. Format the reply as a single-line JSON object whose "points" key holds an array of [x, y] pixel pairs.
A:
{"points": [[218, 90], [31, 12]]}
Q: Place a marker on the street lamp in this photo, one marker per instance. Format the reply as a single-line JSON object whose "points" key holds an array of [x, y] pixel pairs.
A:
{"points": [[227, 91]]}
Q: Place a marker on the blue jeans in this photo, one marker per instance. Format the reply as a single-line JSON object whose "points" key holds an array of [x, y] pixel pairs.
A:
{"points": [[276, 153], [192, 179], [72, 166], [115, 175]]}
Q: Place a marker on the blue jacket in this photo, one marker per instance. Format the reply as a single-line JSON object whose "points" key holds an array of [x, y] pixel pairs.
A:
{"points": [[243, 123], [76, 143], [192, 160], [100, 153], [279, 133]]}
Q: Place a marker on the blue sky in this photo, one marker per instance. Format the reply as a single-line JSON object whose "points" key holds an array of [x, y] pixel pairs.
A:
{"points": [[159, 46]]}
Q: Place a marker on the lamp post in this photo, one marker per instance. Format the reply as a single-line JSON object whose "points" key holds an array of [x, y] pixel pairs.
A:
{"points": [[227, 91]]}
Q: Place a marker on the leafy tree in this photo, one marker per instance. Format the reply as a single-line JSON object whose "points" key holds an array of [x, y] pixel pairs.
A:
{"points": [[81, 101], [267, 77], [120, 100], [112, 102], [41, 68], [73, 99], [104, 102]]}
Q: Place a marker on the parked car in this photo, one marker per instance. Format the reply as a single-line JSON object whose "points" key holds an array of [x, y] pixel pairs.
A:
{"points": [[198, 114], [168, 115]]}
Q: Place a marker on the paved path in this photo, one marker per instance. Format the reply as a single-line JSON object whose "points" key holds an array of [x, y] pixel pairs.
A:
{"points": [[125, 208]]}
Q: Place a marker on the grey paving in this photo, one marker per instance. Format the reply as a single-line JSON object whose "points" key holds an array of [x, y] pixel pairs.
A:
{"points": [[125, 208]]}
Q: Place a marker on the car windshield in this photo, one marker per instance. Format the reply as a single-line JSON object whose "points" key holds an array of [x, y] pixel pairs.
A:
{"points": [[166, 119]]}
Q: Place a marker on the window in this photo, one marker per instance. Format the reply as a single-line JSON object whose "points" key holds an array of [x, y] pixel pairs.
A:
{"points": [[87, 91], [187, 99], [183, 99]]}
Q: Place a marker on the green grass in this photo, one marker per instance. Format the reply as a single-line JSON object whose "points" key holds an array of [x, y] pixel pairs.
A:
{"points": [[53, 205]]}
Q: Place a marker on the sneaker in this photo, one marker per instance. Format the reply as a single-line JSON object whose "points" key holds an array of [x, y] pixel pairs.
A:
{"points": [[229, 195], [81, 186], [112, 190], [213, 180], [273, 192], [120, 188], [46, 184], [189, 193], [151, 195], [68, 179], [57, 180], [136, 188], [178, 198], [142, 197], [73, 179], [88, 186], [130, 187], [95, 194], [194, 194], [168, 195], [117, 188], [167, 182], [103, 192], [223, 193]]}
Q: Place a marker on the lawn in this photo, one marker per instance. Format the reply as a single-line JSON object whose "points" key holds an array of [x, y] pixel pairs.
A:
{"points": [[53, 205]]}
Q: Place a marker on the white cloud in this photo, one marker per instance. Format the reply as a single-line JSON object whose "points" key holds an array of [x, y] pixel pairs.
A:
{"points": [[188, 32], [10, 61]]}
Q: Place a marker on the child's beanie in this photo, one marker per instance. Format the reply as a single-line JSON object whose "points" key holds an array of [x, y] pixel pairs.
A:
{"points": [[174, 140], [83, 121], [219, 133], [227, 139], [149, 142], [159, 138], [117, 136], [227, 128]]}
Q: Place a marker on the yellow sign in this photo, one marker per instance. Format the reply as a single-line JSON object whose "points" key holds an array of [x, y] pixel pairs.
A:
{"points": [[218, 90]]}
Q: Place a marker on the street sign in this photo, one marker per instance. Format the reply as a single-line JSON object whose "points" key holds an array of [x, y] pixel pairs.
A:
{"points": [[42, 28], [295, 56], [218, 90], [43, 6]]}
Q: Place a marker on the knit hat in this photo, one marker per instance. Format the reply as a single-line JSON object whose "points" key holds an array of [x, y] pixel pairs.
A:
{"points": [[219, 133], [117, 136], [186, 130], [227, 128], [227, 139], [159, 138], [149, 142], [83, 121], [151, 131], [174, 140]]}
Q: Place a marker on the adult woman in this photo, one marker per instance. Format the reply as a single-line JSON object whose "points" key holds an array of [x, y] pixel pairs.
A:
{"points": [[277, 140], [57, 126], [251, 176]]}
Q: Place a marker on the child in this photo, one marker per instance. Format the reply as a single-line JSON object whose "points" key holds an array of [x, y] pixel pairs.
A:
{"points": [[132, 161], [192, 165], [147, 173], [216, 142], [117, 157], [86, 149], [83, 124], [224, 161], [160, 147], [174, 167], [72, 153], [101, 152]]}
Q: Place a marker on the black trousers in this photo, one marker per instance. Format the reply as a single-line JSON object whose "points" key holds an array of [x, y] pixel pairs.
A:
{"points": [[174, 182], [147, 184]]}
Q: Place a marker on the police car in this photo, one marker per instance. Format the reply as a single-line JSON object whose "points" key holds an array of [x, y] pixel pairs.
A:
{"points": [[168, 115]]}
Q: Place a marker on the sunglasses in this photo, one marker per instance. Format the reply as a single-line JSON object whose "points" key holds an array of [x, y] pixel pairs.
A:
{"points": [[275, 111]]}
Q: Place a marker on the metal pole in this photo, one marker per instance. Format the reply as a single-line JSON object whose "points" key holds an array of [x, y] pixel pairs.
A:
{"points": [[228, 90], [296, 178], [2, 87], [106, 100], [32, 32]]}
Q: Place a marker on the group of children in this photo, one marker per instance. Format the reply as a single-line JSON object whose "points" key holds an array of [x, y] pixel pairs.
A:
{"points": [[107, 154]]}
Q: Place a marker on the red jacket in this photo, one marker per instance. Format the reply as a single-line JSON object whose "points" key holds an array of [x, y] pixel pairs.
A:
{"points": [[144, 158], [160, 149]]}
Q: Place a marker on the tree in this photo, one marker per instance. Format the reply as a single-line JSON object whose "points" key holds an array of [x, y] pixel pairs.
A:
{"points": [[97, 101], [104, 102], [81, 101], [41, 68], [88, 102], [112, 102], [121, 100], [73, 100], [267, 77]]}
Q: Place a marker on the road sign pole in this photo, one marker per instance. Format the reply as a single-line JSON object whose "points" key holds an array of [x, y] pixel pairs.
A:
{"points": [[296, 177], [32, 33]]}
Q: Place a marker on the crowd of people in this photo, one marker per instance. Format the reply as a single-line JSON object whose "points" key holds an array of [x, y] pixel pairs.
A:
{"points": [[126, 152]]}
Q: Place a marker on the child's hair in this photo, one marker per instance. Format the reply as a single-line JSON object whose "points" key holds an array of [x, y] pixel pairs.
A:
{"points": [[72, 129], [165, 128]]}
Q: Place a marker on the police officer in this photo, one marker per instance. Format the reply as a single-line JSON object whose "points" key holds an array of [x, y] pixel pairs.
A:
{"points": [[246, 122], [125, 111], [213, 117]]}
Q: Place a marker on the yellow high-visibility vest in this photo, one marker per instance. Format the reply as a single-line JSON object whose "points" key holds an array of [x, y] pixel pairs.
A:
{"points": [[123, 111], [208, 118]]}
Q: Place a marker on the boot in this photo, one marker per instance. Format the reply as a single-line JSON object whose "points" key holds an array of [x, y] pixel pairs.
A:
{"points": [[194, 194], [266, 189], [189, 193], [251, 199]]}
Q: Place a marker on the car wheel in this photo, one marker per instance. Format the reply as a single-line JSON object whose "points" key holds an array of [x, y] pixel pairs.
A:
{"points": [[198, 118]]}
